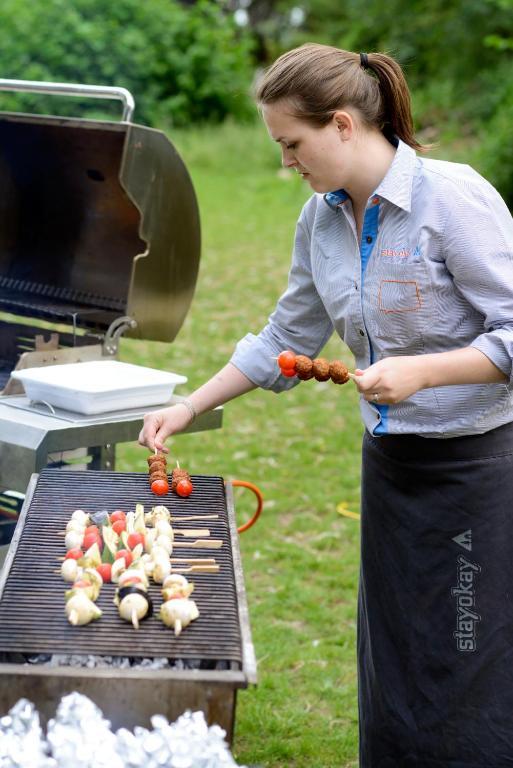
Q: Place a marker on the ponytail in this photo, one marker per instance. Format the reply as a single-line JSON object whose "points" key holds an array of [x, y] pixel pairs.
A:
{"points": [[396, 101]]}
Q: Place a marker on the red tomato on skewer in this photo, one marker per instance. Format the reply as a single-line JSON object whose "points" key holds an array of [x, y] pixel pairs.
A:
{"points": [[126, 555], [74, 554], [160, 487], [118, 514], [92, 538], [118, 526], [286, 359], [184, 488], [134, 539], [288, 372], [105, 570]]}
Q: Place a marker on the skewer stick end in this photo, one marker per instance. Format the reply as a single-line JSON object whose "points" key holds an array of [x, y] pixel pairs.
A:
{"points": [[135, 620]]}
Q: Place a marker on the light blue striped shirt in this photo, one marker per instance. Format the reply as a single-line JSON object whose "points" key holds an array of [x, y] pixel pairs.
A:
{"points": [[433, 272]]}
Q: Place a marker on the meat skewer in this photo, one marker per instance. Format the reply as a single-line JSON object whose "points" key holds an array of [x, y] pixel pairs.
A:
{"points": [[320, 368]]}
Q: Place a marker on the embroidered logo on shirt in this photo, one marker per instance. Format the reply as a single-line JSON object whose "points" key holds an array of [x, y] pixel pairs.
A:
{"points": [[400, 253]]}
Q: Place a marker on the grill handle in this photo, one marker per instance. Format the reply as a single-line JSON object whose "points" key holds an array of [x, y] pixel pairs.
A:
{"points": [[260, 502], [74, 89]]}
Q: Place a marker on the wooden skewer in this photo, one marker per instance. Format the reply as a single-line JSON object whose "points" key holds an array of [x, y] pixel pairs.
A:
{"points": [[183, 532], [192, 560], [135, 620], [197, 569], [200, 544], [186, 518]]}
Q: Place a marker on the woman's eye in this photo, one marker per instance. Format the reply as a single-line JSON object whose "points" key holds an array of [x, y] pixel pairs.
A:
{"points": [[290, 146]]}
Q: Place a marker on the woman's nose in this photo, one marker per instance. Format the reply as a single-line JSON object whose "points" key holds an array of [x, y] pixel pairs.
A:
{"points": [[287, 158]]}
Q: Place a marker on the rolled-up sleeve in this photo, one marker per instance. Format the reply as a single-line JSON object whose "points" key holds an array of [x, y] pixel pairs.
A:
{"points": [[479, 255], [299, 322]]}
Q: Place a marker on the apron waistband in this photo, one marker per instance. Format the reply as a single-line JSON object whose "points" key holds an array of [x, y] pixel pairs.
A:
{"points": [[413, 448]]}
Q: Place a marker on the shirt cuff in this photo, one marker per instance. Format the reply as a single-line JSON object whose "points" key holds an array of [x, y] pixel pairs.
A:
{"points": [[497, 350]]}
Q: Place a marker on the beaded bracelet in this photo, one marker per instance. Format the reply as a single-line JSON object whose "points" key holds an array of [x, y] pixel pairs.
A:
{"points": [[190, 407]]}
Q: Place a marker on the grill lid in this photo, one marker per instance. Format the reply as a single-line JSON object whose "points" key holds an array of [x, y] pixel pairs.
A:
{"points": [[98, 220], [32, 618]]}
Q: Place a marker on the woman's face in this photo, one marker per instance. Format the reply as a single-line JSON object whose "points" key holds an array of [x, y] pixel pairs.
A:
{"points": [[323, 156]]}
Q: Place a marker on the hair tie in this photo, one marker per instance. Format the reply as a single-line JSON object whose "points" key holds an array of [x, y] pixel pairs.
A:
{"points": [[364, 61]]}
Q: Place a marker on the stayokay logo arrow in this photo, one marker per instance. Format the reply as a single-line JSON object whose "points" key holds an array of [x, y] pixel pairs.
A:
{"points": [[464, 540]]}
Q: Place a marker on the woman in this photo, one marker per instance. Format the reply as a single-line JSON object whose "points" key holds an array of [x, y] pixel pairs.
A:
{"points": [[410, 262]]}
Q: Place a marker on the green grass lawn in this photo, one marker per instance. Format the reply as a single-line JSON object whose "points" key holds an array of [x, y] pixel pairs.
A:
{"points": [[302, 449]]}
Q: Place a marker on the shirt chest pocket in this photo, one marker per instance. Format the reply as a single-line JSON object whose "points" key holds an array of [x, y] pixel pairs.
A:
{"points": [[399, 306]]}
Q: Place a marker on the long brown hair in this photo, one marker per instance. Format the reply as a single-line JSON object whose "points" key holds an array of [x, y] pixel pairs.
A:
{"points": [[319, 79]]}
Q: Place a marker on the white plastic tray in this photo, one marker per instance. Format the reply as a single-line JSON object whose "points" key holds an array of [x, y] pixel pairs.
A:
{"points": [[98, 386]]}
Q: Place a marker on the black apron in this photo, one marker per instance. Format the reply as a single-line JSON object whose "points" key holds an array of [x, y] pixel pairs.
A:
{"points": [[435, 624]]}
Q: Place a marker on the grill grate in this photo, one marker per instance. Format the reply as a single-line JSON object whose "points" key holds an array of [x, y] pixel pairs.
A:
{"points": [[32, 618]]}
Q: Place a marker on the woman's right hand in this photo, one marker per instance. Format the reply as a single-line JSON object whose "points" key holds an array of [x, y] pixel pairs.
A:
{"points": [[159, 425]]}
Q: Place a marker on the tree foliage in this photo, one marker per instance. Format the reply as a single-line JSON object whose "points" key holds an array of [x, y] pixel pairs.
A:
{"points": [[183, 65]]}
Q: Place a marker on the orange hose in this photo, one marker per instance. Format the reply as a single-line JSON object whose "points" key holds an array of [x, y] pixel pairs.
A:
{"points": [[260, 502]]}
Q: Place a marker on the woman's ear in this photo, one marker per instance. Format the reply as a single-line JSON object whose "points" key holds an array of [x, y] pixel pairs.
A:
{"points": [[344, 124]]}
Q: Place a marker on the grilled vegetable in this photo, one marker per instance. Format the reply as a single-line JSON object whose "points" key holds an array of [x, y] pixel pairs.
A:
{"points": [[133, 604], [178, 614], [70, 569], [81, 610]]}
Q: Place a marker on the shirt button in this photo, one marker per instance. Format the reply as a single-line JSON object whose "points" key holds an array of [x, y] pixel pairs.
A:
{"points": [[369, 239], [362, 333], [356, 286]]}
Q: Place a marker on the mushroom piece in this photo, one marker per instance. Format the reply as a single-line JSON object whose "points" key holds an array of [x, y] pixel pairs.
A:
{"points": [[81, 610], [161, 569], [178, 613], [134, 604]]}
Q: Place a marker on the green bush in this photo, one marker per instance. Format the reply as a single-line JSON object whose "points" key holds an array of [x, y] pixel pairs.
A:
{"points": [[182, 64]]}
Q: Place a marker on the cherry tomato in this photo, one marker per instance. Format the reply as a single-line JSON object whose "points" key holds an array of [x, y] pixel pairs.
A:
{"points": [[134, 539], [184, 488], [118, 514], [92, 538], [160, 487], [118, 526], [74, 554], [288, 372], [286, 359], [105, 570], [91, 529], [126, 555]]}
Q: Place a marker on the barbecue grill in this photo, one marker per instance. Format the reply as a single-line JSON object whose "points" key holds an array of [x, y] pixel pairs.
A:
{"points": [[99, 238], [217, 646]]}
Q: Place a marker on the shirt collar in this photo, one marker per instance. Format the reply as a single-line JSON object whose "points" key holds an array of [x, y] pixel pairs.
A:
{"points": [[396, 186]]}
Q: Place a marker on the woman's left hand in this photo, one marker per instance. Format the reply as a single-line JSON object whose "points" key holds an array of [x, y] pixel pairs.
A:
{"points": [[391, 380]]}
